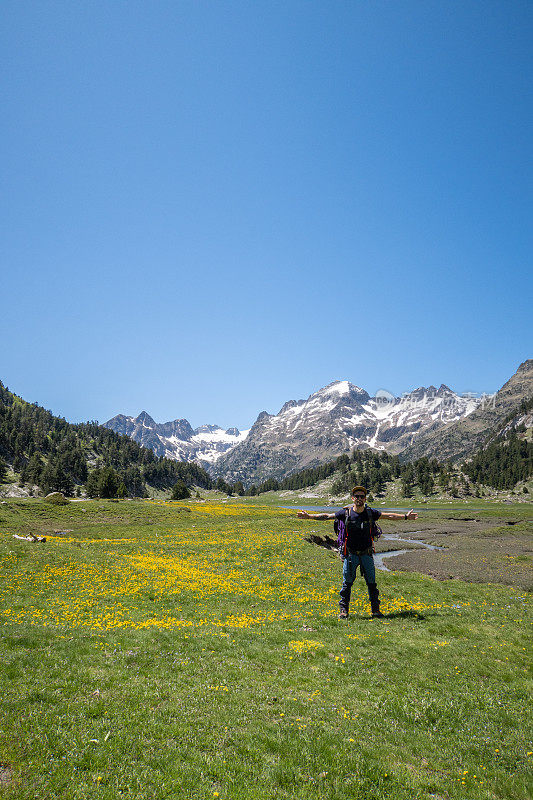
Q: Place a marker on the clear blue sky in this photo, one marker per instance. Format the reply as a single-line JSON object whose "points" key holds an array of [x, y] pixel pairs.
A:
{"points": [[210, 208]]}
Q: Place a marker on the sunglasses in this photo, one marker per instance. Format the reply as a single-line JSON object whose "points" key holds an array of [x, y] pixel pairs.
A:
{"points": [[359, 496]]}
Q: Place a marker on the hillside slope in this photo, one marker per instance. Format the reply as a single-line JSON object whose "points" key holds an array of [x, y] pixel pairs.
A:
{"points": [[47, 451]]}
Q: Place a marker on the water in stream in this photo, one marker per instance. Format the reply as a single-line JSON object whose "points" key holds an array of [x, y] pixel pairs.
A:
{"points": [[379, 557]]}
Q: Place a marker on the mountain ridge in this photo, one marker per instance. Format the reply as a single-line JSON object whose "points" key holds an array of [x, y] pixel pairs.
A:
{"points": [[337, 418], [462, 438]]}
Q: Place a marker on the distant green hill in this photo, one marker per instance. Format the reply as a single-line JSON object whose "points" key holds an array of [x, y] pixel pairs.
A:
{"points": [[366, 468], [58, 456]]}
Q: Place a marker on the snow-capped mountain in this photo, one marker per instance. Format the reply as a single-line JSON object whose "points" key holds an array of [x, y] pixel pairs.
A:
{"points": [[335, 420], [177, 439]]}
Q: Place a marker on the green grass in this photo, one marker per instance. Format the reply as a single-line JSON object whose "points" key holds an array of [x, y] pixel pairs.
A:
{"points": [[152, 652]]}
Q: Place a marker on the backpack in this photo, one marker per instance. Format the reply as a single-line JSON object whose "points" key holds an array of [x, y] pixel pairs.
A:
{"points": [[339, 527]]}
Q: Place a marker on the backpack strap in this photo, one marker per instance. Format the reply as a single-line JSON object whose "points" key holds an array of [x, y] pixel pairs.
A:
{"points": [[370, 518], [371, 524], [346, 518]]}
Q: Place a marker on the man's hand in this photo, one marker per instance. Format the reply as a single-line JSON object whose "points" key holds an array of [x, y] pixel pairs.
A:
{"points": [[304, 515], [411, 514]]}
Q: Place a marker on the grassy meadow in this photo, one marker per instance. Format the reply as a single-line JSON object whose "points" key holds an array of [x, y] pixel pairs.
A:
{"points": [[192, 650]]}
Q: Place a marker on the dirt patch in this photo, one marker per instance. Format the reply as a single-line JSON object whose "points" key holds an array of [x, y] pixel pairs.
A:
{"points": [[322, 541], [478, 551]]}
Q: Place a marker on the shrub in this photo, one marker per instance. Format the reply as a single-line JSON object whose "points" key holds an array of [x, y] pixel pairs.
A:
{"points": [[180, 491], [56, 499]]}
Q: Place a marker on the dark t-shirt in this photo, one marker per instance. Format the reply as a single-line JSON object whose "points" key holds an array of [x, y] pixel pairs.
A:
{"points": [[358, 527]]}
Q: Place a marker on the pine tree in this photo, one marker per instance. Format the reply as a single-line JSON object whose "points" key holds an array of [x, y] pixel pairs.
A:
{"points": [[427, 484], [109, 483], [222, 486], [93, 483], [406, 486]]}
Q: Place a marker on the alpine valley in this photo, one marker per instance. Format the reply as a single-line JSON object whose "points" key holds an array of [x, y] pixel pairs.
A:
{"points": [[334, 420]]}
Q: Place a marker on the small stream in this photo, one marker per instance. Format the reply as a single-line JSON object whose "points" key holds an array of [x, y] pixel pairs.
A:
{"points": [[380, 557]]}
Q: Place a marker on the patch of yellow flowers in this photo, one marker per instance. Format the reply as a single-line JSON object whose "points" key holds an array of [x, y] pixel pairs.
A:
{"points": [[305, 645], [235, 574]]}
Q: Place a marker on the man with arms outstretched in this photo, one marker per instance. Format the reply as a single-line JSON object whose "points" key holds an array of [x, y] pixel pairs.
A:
{"points": [[359, 520]]}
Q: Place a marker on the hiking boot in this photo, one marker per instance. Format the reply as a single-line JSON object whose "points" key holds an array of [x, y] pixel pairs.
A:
{"points": [[373, 595], [343, 613]]}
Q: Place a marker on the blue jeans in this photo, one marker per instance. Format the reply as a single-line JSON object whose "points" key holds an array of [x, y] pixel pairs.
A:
{"points": [[366, 564]]}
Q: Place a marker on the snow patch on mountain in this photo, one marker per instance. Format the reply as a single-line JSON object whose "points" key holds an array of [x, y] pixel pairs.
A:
{"points": [[221, 436], [337, 388]]}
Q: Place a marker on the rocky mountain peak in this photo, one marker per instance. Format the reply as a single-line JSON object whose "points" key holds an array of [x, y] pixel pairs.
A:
{"points": [[340, 389], [417, 394], [429, 393], [180, 428], [290, 404], [145, 419], [207, 429]]}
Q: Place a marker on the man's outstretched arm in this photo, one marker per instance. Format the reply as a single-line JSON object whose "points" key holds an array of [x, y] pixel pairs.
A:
{"points": [[307, 515], [410, 515]]}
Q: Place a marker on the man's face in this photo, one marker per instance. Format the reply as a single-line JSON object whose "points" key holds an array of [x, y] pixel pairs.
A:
{"points": [[359, 499]]}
